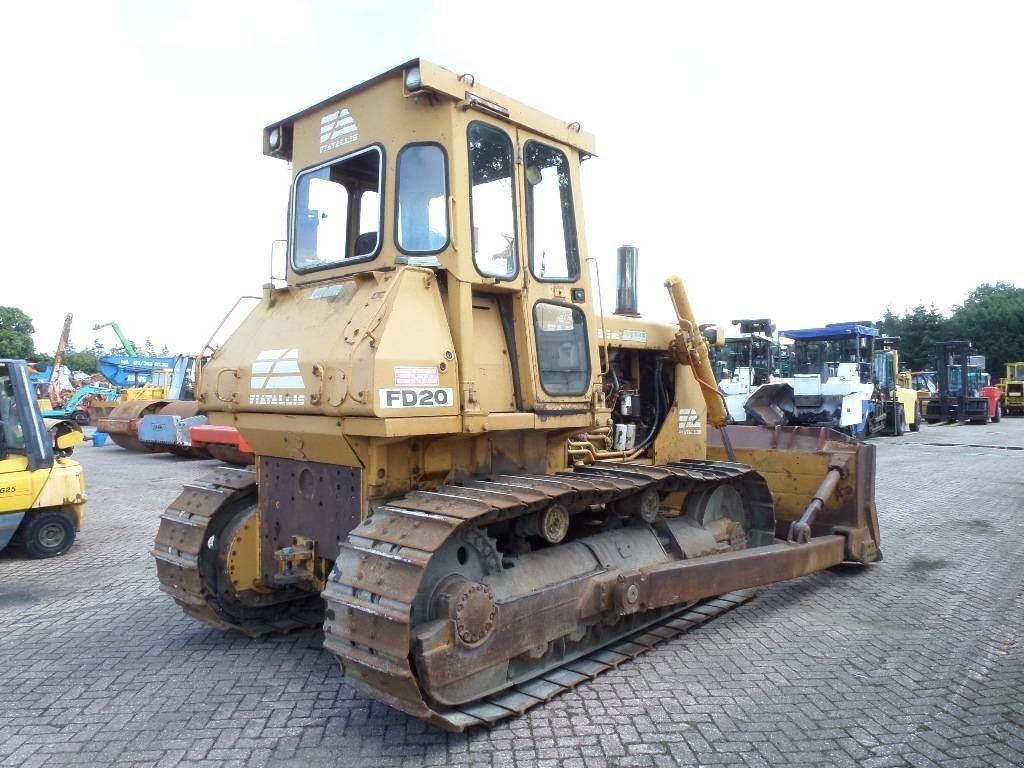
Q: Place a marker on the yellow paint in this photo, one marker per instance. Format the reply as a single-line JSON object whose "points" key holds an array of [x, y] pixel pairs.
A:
{"points": [[61, 486], [243, 554]]}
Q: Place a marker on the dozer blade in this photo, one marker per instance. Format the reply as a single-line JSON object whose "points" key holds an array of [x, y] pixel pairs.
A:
{"points": [[772, 405], [794, 461], [123, 424]]}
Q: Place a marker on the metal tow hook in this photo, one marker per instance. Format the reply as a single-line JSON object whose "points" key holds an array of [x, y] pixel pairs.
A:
{"points": [[800, 530]]}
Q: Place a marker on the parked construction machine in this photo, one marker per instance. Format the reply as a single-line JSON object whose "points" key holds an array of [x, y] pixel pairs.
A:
{"points": [[167, 405], [962, 390], [433, 400], [745, 363], [42, 492], [77, 407], [1012, 389], [845, 376]]}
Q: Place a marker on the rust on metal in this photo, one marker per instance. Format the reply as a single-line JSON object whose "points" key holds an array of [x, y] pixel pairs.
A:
{"points": [[317, 501], [122, 424]]}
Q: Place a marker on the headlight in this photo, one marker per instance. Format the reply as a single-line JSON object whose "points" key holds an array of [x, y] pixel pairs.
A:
{"points": [[274, 138], [412, 79]]}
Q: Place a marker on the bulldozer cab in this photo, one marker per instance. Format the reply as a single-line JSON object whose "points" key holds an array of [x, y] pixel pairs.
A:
{"points": [[22, 432], [424, 167]]}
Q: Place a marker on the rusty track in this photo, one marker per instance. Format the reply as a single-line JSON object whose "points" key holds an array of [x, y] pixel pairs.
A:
{"points": [[379, 577], [182, 558]]}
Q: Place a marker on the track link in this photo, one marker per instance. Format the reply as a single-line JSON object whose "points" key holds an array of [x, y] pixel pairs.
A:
{"points": [[379, 577], [180, 551]]}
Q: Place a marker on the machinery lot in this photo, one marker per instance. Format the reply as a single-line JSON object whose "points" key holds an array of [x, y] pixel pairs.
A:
{"points": [[916, 661]]}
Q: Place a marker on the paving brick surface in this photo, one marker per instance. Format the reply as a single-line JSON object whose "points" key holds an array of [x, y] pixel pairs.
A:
{"points": [[917, 661]]}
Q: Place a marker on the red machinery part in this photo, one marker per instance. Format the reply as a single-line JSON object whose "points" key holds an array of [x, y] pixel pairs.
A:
{"points": [[224, 443], [993, 395]]}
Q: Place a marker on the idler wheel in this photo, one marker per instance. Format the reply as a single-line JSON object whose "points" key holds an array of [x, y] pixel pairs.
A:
{"points": [[471, 605], [646, 506], [554, 523]]}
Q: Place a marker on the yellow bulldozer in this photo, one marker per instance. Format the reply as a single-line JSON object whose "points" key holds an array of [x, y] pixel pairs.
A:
{"points": [[482, 487]]}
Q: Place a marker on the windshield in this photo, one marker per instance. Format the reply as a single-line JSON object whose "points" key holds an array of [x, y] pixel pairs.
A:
{"points": [[338, 212], [885, 376], [923, 381], [976, 379], [10, 418], [823, 356], [745, 353]]}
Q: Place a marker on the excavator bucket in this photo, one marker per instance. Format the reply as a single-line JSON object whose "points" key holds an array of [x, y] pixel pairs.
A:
{"points": [[123, 424], [793, 460]]}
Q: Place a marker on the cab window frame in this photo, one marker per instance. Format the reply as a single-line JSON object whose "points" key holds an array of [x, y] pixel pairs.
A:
{"points": [[573, 266], [381, 191], [447, 198], [515, 202]]}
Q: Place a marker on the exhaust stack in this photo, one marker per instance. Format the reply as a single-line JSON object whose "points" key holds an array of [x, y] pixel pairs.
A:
{"points": [[626, 302]]}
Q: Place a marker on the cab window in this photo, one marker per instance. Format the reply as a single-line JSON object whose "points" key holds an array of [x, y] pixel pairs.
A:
{"points": [[562, 351], [550, 221], [422, 219], [10, 418], [492, 205], [338, 211]]}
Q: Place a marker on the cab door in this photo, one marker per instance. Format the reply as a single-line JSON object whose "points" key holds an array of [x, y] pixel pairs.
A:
{"points": [[555, 303]]}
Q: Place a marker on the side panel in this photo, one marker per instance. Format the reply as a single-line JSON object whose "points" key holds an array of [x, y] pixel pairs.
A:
{"points": [[373, 345]]}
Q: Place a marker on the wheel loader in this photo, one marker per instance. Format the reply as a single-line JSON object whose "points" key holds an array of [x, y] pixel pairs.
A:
{"points": [[42, 492], [484, 490]]}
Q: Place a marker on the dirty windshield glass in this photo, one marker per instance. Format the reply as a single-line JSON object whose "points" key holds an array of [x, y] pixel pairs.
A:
{"points": [[338, 211], [492, 205]]}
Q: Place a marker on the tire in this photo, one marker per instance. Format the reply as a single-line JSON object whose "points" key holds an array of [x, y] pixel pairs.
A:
{"points": [[899, 419], [81, 418], [998, 414], [48, 534], [916, 426]]}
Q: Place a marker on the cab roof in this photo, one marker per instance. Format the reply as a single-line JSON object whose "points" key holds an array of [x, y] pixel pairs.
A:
{"points": [[462, 89], [838, 331]]}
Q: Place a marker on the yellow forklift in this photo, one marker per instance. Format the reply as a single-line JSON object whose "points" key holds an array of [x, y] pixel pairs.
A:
{"points": [[42, 491], [1012, 389]]}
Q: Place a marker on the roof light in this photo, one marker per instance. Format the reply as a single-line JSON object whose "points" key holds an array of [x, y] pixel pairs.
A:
{"points": [[274, 138], [472, 100], [413, 81]]}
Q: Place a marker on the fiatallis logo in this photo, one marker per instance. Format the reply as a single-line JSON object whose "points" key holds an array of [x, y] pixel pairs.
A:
{"points": [[275, 370], [337, 129]]}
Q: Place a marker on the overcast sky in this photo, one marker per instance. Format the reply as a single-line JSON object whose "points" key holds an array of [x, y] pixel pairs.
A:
{"points": [[809, 161]]}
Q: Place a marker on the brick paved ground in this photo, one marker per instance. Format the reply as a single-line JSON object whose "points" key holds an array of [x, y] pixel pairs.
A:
{"points": [[917, 661]]}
